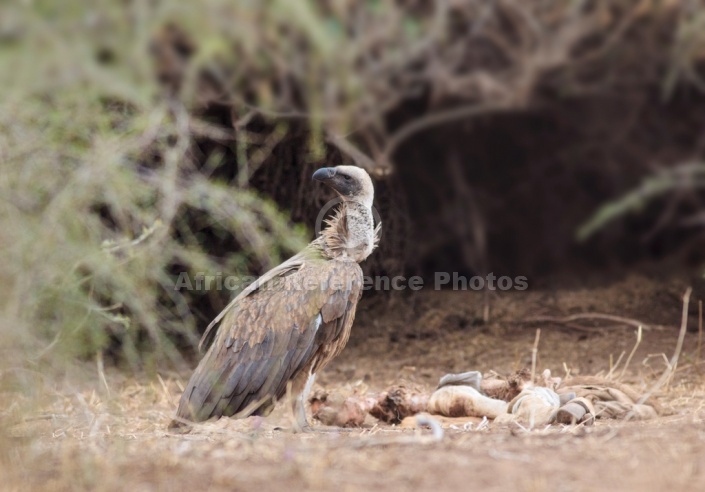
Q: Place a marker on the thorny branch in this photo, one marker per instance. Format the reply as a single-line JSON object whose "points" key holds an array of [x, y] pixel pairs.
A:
{"points": [[461, 58]]}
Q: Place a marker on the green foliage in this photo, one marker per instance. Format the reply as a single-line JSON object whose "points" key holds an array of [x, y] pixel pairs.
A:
{"points": [[103, 196], [685, 176], [100, 202]]}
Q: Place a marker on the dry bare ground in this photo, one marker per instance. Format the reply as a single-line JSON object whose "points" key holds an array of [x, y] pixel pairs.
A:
{"points": [[110, 434]]}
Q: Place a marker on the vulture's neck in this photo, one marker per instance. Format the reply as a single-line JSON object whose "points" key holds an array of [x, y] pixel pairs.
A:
{"points": [[350, 233]]}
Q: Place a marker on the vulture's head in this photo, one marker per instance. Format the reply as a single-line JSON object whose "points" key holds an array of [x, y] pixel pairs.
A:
{"points": [[352, 183]]}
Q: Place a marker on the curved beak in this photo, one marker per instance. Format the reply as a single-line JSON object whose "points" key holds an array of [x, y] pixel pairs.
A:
{"points": [[324, 174]]}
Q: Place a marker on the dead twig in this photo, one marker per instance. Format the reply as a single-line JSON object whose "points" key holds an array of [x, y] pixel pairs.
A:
{"points": [[587, 316], [346, 147], [435, 119]]}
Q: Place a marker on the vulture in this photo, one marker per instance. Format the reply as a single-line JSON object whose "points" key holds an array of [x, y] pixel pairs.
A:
{"points": [[282, 329]]}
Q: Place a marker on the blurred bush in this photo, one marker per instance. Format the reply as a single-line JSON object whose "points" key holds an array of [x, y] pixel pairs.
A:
{"points": [[119, 170], [103, 202]]}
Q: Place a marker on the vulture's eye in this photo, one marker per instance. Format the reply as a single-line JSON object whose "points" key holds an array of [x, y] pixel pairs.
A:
{"points": [[346, 177]]}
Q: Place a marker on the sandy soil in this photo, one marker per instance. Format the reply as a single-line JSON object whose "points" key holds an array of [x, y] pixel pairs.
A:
{"points": [[112, 435]]}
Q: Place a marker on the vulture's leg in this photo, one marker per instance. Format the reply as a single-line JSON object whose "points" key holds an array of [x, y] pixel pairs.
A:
{"points": [[301, 387], [301, 424]]}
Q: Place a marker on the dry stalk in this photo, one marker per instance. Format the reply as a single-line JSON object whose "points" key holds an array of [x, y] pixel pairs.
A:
{"points": [[534, 354], [101, 371], [567, 371], [700, 330], [670, 370], [165, 388], [631, 354], [613, 367]]}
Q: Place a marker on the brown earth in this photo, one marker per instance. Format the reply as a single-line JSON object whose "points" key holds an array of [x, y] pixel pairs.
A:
{"points": [[112, 435]]}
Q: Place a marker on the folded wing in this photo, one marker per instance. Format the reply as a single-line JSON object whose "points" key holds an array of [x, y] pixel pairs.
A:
{"points": [[295, 318]]}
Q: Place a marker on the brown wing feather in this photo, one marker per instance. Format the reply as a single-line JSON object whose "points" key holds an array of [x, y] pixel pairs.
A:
{"points": [[291, 265], [269, 336]]}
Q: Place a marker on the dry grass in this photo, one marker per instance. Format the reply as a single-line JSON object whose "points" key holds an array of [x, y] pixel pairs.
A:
{"points": [[84, 439], [112, 435]]}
